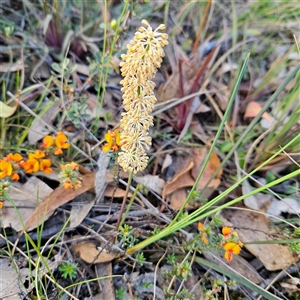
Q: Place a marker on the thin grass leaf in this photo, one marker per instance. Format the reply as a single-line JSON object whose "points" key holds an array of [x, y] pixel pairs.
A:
{"points": [[239, 278]]}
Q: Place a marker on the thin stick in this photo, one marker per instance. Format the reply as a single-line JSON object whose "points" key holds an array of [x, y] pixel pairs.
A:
{"points": [[201, 27], [124, 201]]}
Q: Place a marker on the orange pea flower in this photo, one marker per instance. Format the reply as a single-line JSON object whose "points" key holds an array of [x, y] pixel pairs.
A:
{"points": [[31, 166], [38, 154], [113, 139], [6, 169], [15, 176], [226, 231], [61, 141], [15, 160], [68, 184], [13, 157], [47, 141], [231, 248], [203, 232], [45, 166]]}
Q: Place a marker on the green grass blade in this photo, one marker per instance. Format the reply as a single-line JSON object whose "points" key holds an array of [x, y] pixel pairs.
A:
{"points": [[239, 278], [220, 129]]}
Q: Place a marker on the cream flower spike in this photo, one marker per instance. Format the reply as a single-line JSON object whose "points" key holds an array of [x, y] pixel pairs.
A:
{"points": [[140, 63]]}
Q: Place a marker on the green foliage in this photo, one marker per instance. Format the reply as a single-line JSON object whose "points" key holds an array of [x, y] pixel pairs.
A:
{"points": [[120, 293], [76, 113], [126, 235], [184, 294], [140, 258], [171, 258], [63, 69], [68, 269]]}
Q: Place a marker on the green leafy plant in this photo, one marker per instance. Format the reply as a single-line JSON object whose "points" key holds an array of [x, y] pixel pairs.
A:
{"points": [[68, 269], [120, 293], [126, 235], [140, 258]]}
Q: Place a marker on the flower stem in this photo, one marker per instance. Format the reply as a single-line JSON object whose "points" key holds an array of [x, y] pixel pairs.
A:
{"points": [[124, 201]]}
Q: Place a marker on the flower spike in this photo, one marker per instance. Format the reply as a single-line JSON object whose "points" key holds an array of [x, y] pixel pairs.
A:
{"points": [[140, 63]]}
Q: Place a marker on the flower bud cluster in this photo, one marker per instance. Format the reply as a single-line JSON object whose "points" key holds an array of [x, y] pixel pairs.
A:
{"points": [[140, 63]]}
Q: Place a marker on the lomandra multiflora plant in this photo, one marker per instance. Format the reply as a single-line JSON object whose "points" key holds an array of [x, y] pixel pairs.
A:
{"points": [[140, 63]]}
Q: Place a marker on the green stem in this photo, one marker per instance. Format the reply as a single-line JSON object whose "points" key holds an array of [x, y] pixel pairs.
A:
{"points": [[124, 201], [129, 205]]}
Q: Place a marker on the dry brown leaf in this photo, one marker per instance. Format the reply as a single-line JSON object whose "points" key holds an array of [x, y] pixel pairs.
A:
{"points": [[24, 197], [183, 179], [290, 284], [252, 226], [152, 182], [177, 198], [253, 109], [191, 166], [89, 253], [213, 163], [111, 175], [112, 191], [57, 198], [107, 290]]}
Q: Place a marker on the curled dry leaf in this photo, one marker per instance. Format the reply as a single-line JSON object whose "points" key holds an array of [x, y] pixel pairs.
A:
{"points": [[187, 173], [253, 109], [115, 192], [89, 253]]}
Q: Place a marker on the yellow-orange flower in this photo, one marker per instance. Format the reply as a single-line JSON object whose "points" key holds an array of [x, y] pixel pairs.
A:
{"points": [[113, 140], [226, 231], [231, 248], [203, 233], [13, 157], [31, 166], [6, 169], [61, 141], [45, 166], [47, 141], [68, 184], [38, 154], [15, 176]]}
